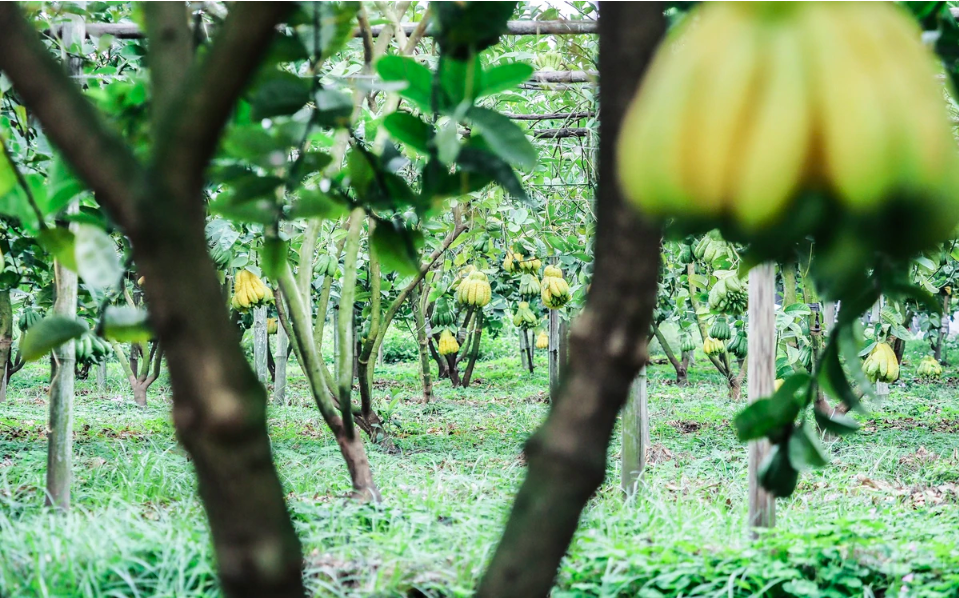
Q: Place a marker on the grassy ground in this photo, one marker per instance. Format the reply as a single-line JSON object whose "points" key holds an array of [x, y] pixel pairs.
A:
{"points": [[881, 520]]}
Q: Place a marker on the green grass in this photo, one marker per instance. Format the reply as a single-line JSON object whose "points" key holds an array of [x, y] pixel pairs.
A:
{"points": [[881, 520]]}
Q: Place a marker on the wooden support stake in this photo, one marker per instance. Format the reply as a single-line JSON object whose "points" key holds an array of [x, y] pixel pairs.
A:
{"points": [[554, 362], [281, 359], [762, 377], [259, 344], [635, 433]]}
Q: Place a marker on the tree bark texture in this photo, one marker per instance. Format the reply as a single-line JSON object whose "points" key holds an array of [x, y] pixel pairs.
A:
{"points": [[567, 455], [219, 408], [60, 448]]}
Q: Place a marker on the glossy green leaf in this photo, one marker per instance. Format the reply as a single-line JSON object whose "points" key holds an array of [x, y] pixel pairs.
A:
{"points": [[776, 474], [281, 94], [48, 334], [505, 76], [418, 79], [408, 129], [766, 416]]}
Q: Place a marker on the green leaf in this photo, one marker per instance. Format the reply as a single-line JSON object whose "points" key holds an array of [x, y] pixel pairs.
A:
{"points": [[408, 129], [466, 28], [805, 452], [281, 94], [64, 187], [8, 177], [313, 203], [96, 257], [396, 247], [776, 474], [831, 375], [252, 187], [334, 108], [472, 159], [261, 211], [765, 417], [505, 76], [48, 334], [461, 82], [504, 137], [797, 309], [418, 79], [126, 324], [837, 423], [59, 242], [274, 254]]}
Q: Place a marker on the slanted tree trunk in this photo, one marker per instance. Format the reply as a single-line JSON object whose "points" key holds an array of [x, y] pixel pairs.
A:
{"points": [[680, 365], [140, 374], [219, 407], [567, 455]]}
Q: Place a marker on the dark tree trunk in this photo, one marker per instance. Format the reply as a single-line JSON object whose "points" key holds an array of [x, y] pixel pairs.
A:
{"points": [[219, 407], [474, 348], [567, 455]]}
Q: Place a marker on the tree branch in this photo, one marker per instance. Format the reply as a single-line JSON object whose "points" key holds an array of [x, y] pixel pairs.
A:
{"points": [[194, 126], [170, 55], [96, 153]]}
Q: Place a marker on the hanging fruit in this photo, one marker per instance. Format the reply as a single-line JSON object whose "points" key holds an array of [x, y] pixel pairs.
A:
{"points": [[720, 329], [779, 122], [474, 290], [686, 343], [529, 285], [881, 365], [729, 295], [555, 290], [929, 368], [448, 344], [712, 346], [443, 313], [542, 341], [249, 291], [524, 317], [272, 326]]}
